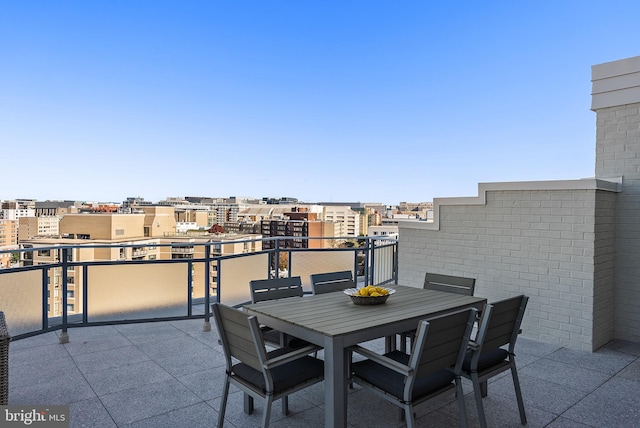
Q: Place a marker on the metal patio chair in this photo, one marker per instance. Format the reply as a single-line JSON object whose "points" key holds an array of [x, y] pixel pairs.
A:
{"points": [[272, 289], [449, 283], [499, 327], [432, 368], [260, 374], [331, 281], [446, 283]]}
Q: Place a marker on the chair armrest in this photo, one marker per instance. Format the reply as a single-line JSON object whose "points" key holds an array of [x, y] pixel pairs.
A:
{"points": [[473, 346], [382, 360], [290, 356]]}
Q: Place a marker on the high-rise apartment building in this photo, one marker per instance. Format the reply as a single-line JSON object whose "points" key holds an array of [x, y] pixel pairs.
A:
{"points": [[299, 225], [16, 213], [344, 215], [8, 241]]}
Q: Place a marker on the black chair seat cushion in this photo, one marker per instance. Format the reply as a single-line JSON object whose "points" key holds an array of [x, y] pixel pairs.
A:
{"points": [[270, 335], [273, 336], [285, 376], [487, 359], [393, 382]]}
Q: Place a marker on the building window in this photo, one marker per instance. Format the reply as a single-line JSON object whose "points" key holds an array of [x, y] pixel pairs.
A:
{"points": [[70, 307], [44, 253], [70, 294], [119, 232]]}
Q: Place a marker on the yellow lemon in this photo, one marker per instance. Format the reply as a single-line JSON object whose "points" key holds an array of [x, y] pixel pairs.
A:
{"points": [[375, 294], [384, 292], [364, 292]]}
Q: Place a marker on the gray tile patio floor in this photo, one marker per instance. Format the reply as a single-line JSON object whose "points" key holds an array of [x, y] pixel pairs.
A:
{"points": [[170, 374]]}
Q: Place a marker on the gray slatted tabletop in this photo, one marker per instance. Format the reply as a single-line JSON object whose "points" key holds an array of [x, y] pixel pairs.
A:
{"points": [[332, 321]]}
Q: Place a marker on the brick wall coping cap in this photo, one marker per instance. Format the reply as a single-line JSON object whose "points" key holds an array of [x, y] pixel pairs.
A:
{"points": [[613, 184]]}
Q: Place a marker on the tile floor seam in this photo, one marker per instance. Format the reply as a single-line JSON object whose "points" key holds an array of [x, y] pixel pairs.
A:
{"points": [[563, 414], [93, 391], [107, 411], [591, 393], [567, 418], [169, 411], [581, 367]]}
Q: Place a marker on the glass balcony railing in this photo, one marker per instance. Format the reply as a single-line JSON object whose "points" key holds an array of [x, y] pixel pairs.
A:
{"points": [[163, 284]]}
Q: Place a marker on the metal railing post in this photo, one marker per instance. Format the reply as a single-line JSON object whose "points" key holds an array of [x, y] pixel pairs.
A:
{"points": [[85, 294], [277, 263], [190, 287], [218, 288], [207, 287], [64, 336], [45, 289], [371, 244], [395, 262], [367, 258]]}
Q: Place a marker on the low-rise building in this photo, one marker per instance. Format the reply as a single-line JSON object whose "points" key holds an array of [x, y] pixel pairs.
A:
{"points": [[30, 227]]}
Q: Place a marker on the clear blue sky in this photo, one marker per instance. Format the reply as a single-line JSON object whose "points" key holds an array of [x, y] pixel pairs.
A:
{"points": [[320, 100]]}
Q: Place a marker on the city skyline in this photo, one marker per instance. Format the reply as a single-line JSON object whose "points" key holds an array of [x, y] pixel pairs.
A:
{"points": [[365, 101], [188, 199]]}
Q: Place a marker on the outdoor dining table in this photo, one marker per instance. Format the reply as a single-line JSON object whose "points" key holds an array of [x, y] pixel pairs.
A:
{"points": [[334, 322]]}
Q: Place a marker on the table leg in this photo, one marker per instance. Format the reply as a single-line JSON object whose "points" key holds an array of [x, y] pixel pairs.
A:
{"points": [[248, 403], [390, 343], [335, 388]]}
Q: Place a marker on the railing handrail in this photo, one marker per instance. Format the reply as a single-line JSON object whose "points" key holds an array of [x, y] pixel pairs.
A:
{"points": [[138, 244]]}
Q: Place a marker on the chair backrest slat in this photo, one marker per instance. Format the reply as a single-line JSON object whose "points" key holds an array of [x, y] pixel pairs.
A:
{"points": [[504, 323], [443, 344], [449, 283], [331, 281], [238, 336], [273, 289]]}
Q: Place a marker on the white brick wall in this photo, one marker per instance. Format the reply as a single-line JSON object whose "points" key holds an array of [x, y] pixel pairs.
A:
{"points": [[618, 153], [540, 243], [604, 269]]}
